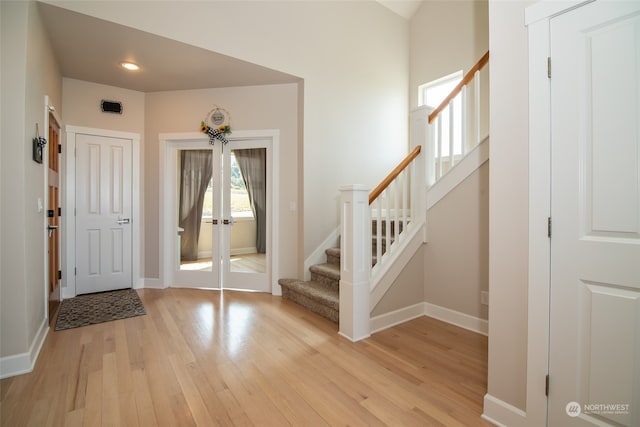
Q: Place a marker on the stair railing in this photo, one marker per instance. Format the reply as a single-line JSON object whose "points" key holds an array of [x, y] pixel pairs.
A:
{"points": [[398, 205], [389, 218], [398, 202], [470, 118]]}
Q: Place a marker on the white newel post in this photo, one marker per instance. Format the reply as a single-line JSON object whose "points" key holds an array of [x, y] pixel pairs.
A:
{"points": [[355, 262]]}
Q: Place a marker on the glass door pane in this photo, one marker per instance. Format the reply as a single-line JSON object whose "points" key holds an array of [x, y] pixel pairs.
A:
{"points": [[196, 215], [246, 208]]}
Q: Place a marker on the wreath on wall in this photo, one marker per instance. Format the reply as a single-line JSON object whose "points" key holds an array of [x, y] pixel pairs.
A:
{"points": [[217, 125]]}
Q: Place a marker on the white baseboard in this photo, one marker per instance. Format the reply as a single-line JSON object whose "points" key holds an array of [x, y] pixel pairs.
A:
{"points": [[457, 318], [23, 363], [502, 414], [150, 283], [393, 318], [462, 320]]}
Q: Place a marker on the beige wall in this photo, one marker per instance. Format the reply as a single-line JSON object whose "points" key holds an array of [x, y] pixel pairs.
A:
{"points": [[353, 57], [81, 106], [446, 36], [407, 290], [29, 72], [456, 258], [508, 201]]}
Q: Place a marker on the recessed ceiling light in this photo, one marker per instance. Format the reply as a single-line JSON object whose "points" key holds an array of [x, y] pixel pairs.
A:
{"points": [[130, 66]]}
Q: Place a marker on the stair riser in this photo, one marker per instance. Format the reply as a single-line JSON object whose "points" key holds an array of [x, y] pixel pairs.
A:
{"points": [[312, 305], [333, 259], [335, 284]]}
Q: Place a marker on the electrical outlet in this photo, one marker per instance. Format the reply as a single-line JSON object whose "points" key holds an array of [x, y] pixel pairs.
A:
{"points": [[484, 297]]}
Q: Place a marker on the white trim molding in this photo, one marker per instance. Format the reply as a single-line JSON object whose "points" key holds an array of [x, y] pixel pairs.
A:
{"points": [[462, 320], [405, 314], [24, 363], [509, 416], [396, 317]]}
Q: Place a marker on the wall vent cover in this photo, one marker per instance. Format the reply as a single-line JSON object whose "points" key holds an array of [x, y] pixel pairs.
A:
{"points": [[111, 106]]}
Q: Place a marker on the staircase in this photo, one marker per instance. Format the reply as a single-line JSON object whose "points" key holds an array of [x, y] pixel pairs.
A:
{"points": [[321, 294], [344, 290]]}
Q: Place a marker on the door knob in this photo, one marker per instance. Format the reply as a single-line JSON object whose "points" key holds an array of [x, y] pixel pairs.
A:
{"points": [[123, 221]]}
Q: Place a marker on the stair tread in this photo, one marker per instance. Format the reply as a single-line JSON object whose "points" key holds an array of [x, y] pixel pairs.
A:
{"points": [[327, 269], [333, 251]]}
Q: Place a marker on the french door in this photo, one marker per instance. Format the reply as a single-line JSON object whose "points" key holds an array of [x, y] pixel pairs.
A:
{"points": [[219, 198]]}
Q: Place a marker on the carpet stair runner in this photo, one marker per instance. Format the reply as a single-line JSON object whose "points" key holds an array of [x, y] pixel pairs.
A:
{"points": [[321, 294]]}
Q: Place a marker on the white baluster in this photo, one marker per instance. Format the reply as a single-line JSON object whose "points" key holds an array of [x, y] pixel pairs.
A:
{"points": [[463, 119], [387, 221], [476, 97], [396, 208], [451, 129], [405, 183], [378, 229], [439, 171]]}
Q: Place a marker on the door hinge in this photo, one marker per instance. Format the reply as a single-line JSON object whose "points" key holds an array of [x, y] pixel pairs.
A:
{"points": [[546, 386], [59, 148], [548, 66], [549, 227], [59, 211], [59, 274], [75, 271]]}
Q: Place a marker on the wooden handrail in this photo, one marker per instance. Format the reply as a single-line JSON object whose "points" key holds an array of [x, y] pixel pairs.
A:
{"points": [[466, 79], [394, 174]]}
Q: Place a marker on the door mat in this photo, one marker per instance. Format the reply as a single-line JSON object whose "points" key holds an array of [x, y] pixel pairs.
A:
{"points": [[90, 309]]}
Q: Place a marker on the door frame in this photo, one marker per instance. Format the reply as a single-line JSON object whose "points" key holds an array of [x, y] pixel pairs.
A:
{"points": [[50, 109], [537, 20], [68, 196], [166, 254]]}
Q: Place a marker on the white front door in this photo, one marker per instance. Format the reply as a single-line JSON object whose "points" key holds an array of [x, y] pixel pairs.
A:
{"points": [[219, 230], [103, 213], [594, 362]]}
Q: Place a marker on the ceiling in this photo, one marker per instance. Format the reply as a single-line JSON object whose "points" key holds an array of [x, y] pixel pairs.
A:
{"points": [[404, 8], [91, 49]]}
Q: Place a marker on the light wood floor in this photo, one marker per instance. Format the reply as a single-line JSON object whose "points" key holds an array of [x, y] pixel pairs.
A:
{"points": [[206, 358], [245, 263]]}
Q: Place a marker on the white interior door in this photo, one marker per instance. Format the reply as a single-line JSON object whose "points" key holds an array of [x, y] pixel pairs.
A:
{"points": [[594, 362], [103, 213]]}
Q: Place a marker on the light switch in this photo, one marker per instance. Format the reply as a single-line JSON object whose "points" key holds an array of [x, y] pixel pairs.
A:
{"points": [[40, 206]]}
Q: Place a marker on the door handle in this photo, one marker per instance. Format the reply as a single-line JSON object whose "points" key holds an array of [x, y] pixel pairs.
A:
{"points": [[123, 221], [51, 229]]}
